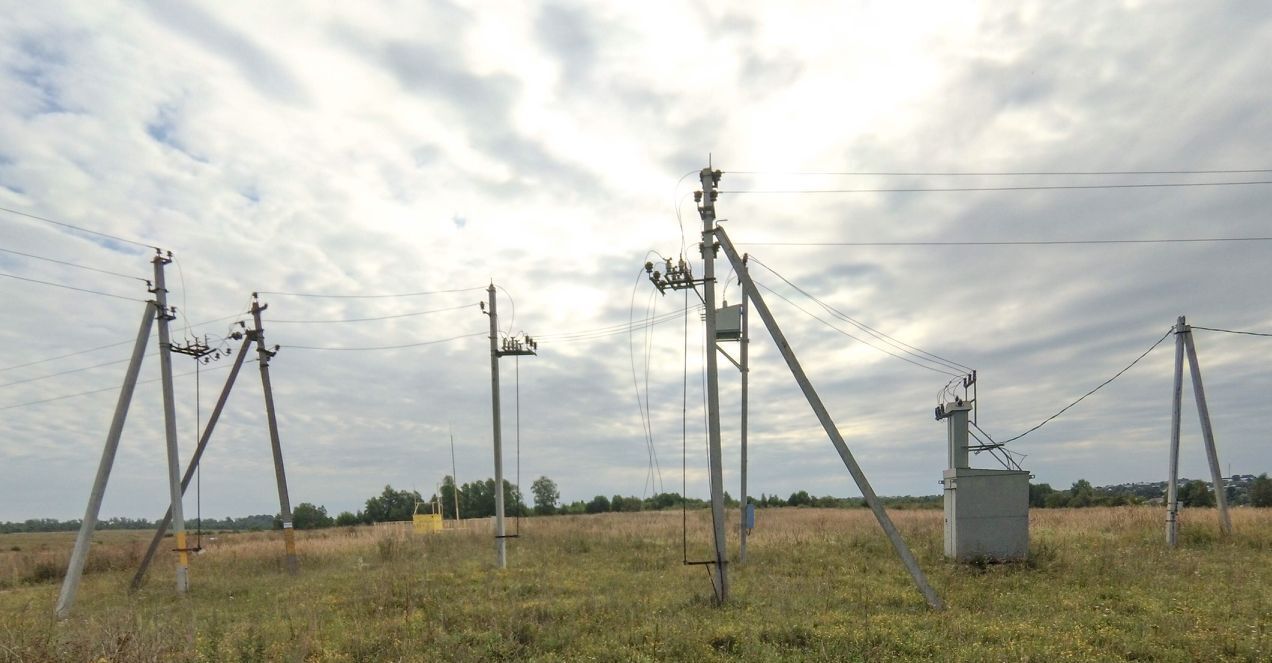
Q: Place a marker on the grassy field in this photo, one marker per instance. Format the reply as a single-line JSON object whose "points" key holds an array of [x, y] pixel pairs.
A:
{"points": [[818, 585]]}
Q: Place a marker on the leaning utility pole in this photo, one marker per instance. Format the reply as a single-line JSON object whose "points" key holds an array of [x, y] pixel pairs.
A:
{"points": [[509, 347], [1184, 347], [710, 179], [748, 513], [79, 555], [156, 309], [280, 476], [823, 415]]}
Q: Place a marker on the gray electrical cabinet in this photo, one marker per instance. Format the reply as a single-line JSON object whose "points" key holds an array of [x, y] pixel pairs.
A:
{"points": [[986, 511]]}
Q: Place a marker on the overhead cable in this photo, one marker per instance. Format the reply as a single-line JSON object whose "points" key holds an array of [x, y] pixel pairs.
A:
{"points": [[890, 340], [388, 347], [71, 287], [66, 372], [380, 317], [100, 347], [75, 265], [1057, 242], [1230, 331], [943, 369], [370, 296], [614, 330], [1057, 187], [1004, 173], [1099, 387], [82, 229], [111, 388]]}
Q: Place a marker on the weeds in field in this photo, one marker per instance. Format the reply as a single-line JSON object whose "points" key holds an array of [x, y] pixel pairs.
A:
{"points": [[819, 585]]}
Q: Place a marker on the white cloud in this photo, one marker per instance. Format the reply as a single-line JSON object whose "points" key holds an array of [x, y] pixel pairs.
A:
{"points": [[283, 148]]}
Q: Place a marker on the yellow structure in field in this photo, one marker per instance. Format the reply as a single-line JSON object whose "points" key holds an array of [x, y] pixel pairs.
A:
{"points": [[427, 523]]}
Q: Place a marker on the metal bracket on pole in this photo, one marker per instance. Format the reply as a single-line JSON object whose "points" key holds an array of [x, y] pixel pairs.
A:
{"points": [[814, 401]]}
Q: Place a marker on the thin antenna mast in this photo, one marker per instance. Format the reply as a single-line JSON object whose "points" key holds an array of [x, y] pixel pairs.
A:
{"points": [[454, 474]]}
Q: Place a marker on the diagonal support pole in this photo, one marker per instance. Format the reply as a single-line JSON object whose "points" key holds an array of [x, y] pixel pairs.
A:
{"points": [[75, 570], [140, 576], [894, 536], [1207, 433], [280, 476]]}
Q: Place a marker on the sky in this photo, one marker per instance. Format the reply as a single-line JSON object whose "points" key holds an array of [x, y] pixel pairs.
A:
{"points": [[549, 148]]}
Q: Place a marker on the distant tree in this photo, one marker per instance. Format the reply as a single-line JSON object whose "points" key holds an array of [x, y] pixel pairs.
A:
{"points": [[391, 505], [1081, 494], [347, 519], [663, 501], [1057, 500], [1261, 491], [546, 496], [617, 503], [1196, 493], [800, 498], [308, 516], [1038, 494], [447, 494], [599, 504]]}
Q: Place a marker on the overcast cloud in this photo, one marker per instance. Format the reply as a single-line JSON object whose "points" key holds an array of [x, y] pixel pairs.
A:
{"points": [[385, 148]]}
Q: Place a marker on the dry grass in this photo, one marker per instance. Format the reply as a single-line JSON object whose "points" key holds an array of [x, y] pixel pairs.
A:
{"points": [[819, 585]]}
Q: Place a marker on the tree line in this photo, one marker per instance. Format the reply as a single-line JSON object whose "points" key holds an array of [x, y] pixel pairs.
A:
{"points": [[1195, 493], [477, 500]]}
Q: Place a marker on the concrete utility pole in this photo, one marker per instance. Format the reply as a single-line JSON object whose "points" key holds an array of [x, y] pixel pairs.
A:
{"points": [[1172, 485], [706, 209], [1184, 346], [157, 539], [823, 416], [284, 501], [746, 370], [75, 569], [501, 548], [170, 424], [509, 347]]}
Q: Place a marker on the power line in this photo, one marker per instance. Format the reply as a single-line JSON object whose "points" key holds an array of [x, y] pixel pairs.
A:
{"points": [[71, 264], [1058, 187], [79, 228], [1168, 240], [943, 370], [1101, 386], [100, 347], [111, 388], [614, 330], [66, 372], [1003, 173], [372, 296], [1230, 331], [71, 287], [381, 317], [389, 347], [894, 342]]}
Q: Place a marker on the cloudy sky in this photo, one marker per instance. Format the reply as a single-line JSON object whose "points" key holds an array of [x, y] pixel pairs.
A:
{"points": [[382, 148]]}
